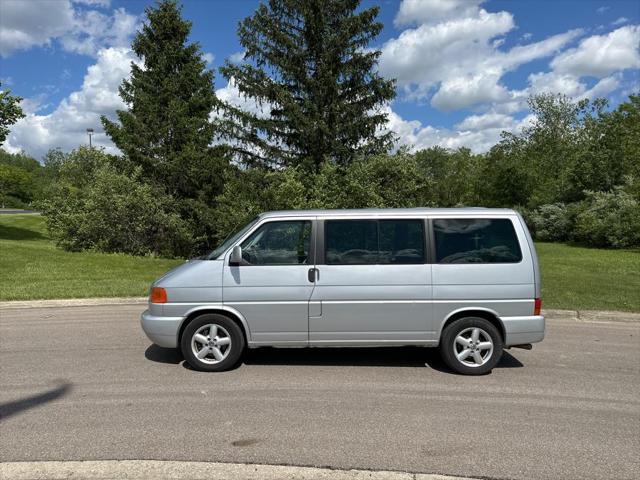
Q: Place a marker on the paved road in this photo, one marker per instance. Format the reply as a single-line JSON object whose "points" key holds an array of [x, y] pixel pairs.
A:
{"points": [[18, 211], [84, 383]]}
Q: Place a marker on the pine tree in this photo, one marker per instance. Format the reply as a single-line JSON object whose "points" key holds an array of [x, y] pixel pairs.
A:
{"points": [[166, 129], [307, 63]]}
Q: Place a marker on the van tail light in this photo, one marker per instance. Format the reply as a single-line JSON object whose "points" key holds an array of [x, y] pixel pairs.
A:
{"points": [[537, 306], [158, 295]]}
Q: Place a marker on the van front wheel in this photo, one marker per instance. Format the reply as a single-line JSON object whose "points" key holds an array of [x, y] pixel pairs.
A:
{"points": [[471, 346], [212, 343]]}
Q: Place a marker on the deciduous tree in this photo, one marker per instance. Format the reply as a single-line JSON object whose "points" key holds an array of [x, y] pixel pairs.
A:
{"points": [[10, 112]]}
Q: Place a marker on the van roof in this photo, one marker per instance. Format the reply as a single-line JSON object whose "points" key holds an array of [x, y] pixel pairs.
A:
{"points": [[475, 211]]}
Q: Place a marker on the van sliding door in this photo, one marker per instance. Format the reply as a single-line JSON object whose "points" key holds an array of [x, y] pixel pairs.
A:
{"points": [[373, 284]]}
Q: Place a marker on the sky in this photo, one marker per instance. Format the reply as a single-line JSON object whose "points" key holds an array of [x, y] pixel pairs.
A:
{"points": [[464, 68]]}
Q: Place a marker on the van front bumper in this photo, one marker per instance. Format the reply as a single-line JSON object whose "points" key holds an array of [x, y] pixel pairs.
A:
{"points": [[163, 331], [521, 330]]}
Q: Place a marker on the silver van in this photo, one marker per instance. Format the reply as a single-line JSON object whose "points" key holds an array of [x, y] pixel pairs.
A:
{"points": [[464, 280]]}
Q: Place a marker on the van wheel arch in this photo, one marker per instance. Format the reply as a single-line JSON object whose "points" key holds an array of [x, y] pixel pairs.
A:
{"points": [[225, 313], [475, 313]]}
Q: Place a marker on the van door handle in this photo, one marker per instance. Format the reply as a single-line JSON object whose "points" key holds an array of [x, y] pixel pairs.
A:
{"points": [[313, 274]]}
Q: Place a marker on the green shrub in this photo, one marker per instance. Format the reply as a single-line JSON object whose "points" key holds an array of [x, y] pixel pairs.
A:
{"points": [[383, 181], [608, 219], [551, 223], [15, 186], [116, 212]]}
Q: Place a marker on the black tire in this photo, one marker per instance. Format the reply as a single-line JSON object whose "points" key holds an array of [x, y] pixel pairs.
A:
{"points": [[449, 346], [226, 327]]}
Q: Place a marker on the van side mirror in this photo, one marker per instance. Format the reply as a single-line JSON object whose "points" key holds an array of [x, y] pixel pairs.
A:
{"points": [[236, 256]]}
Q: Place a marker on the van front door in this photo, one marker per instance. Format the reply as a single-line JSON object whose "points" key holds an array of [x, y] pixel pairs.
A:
{"points": [[271, 288], [373, 284]]}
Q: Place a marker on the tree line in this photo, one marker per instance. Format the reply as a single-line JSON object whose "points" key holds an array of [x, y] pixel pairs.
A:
{"points": [[193, 167]]}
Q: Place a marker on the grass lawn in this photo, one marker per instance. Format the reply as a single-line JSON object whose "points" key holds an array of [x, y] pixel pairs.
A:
{"points": [[581, 278], [31, 267]]}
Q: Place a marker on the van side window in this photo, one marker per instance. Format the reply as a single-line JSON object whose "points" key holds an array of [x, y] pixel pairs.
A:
{"points": [[351, 242], [477, 240], [278, 243], [401, 241], [367, 242]]}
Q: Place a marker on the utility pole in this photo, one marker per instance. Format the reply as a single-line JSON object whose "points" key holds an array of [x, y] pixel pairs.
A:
{"points": [[89, 132]]}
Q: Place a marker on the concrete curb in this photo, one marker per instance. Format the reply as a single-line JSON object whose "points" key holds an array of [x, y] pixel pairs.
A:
{"points": [[160, 470], [591, 316], [550, 314], [73, 302]]}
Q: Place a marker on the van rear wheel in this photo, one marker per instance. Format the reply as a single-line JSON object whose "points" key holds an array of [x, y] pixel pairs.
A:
{"points": [[212, 343], [471, 346]]}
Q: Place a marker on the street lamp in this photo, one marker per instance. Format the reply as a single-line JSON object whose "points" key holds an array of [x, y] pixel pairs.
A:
{"points": [[89, 132]]}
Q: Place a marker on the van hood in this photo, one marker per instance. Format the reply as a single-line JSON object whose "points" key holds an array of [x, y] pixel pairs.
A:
{"points": [[194, 273]]}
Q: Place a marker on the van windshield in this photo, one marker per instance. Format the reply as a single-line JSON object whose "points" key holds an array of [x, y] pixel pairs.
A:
{"points": [[230, 240]]}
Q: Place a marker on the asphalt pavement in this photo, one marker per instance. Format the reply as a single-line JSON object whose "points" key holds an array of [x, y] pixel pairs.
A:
{"points": [[15, 211], [84, 383]]}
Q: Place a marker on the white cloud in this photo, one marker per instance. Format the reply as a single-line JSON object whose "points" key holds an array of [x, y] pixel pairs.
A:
{"points": [[553, 82], [94, 30], [27, 24], [458, 60], [477, 132], [523, 54], [34, 104], [460, 92], [604, 87], [487, 120], [430, 53], [94, 3], [415, 12], [237, 57], [601, 55], [66, 126], [570, 85], [208, 57], [620, 21], [602, 9]]}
